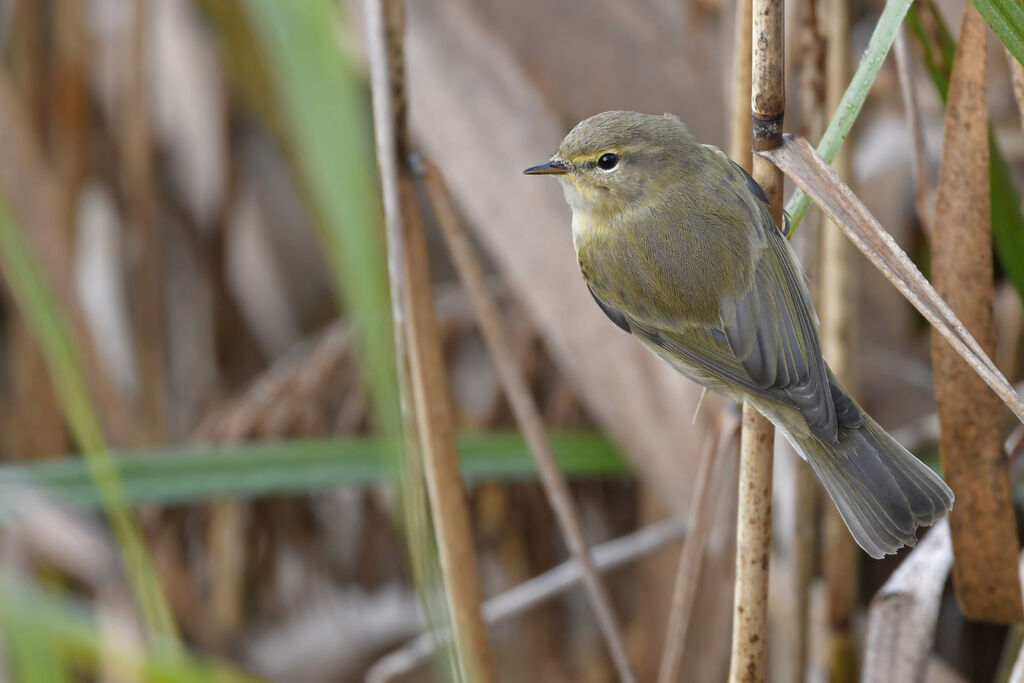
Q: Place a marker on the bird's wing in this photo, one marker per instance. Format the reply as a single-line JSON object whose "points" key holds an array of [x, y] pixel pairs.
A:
{"points": [[771, 330], [766, 342]]}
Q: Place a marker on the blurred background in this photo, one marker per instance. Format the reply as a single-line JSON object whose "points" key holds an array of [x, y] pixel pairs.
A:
{"points": [[193, 181]]}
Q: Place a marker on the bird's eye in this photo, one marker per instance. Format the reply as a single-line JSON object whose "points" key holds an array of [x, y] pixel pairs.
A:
{"points": [[608, 161]]}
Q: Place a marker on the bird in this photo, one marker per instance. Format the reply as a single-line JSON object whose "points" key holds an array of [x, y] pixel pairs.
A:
{"points": [[678, 248]]}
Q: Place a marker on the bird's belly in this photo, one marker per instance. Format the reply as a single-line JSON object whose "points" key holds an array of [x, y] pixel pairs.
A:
{"points": [[646, 285], [695, 373]]}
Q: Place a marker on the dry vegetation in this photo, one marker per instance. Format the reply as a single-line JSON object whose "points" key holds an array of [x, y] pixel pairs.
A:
{"points": [[272, 277]]}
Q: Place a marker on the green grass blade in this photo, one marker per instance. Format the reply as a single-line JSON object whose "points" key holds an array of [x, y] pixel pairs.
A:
{"points": [[937, 52], [196, 474], [64, 625], [322, 106], [47, 324], [1007, 221], [30, 658], [1006, 19], [322, 109], [853, 99]]}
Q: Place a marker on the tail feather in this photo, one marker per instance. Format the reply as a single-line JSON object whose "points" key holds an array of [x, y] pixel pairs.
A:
{"points": [[882, 491]]}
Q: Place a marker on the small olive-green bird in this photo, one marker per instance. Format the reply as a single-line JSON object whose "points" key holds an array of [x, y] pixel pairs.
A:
{"points": [[678, 248]]}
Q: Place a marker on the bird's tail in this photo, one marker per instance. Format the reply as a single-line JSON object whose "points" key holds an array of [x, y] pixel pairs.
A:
{"points": [[882, 491]]}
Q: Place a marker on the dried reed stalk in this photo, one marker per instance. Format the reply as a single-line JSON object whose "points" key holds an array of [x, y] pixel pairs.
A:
{"points": [[753, 530], [702, 507], [740, 132], [39, 204], [145, 245], [753, 550], [425, 403], [688, 568], [789, 649], [983, 522], [543, 587], [526, 413], [809, 171], [33, 420], [838, 296]]}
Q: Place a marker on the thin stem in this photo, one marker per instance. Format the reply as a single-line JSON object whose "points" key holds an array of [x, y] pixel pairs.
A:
{"points": [[753, 550], [753, 518], [425, 404], [541, 588], [983, 524], [853, 99], [802, 164], [527, 415], [702, 507], [838, 298]]}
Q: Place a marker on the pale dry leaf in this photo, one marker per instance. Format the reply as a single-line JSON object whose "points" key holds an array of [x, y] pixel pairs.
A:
{"points": [[306, 646], [902, 616], [190, 107], [100, 284], [806, 168], [255, 278]]}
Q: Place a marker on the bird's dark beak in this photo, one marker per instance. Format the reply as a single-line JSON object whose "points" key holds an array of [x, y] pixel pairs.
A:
{"points": [[555, 167]]}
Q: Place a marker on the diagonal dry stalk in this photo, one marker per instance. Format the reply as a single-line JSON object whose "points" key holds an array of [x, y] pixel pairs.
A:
{"points": [[526, 413], [702, 507], [983, 521], [808, 170], [146, 296], [425, 405], [753, 530], [554, 582]]}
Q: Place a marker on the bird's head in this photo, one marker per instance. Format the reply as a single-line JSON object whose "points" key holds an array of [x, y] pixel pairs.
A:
{"points": [[618, 159]]}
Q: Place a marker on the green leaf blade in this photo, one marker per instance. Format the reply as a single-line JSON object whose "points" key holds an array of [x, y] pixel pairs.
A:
{"points": [[1006, 19]]}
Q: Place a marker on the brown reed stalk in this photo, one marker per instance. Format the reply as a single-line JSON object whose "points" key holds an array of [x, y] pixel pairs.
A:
{"points": [[688, 568], [790, 657], [423, 383], [702, 507], [753, 530], [526, 413], [145, 250], [548, 585], [983, 522], [837, 311], [818, 180], [40, 204], [740, 131]]}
